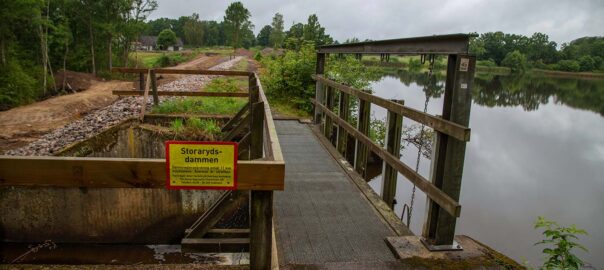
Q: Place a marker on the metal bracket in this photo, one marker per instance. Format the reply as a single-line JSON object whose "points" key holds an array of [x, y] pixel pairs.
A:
{"points": [[453, 247]]}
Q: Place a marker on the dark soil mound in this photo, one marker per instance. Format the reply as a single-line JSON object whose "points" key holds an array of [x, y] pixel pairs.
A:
{"points": [[74, 81]]}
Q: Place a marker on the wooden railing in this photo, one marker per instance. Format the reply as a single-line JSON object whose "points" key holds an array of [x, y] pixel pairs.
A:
{"points": [[391, 159], [451, 128], [260, 168]]}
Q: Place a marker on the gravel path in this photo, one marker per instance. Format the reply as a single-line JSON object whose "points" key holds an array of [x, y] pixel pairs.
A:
{"points": [[99, 120]]}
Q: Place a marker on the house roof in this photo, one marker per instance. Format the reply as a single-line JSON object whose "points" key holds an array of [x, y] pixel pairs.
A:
{"points": [[148, 40], [152, 41]]}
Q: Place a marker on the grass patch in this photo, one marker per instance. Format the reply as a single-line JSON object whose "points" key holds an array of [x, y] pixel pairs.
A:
{"points": [[200, 105], [242, 65], [227, 84], [207, 105], [161, 59], [220, 50], [284, 107], [196, 127]]}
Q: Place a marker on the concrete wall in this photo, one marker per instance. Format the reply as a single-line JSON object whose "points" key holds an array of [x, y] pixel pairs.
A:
{"points": [[117, 215]]}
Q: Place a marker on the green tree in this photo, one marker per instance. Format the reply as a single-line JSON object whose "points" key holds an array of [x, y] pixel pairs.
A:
{"points": [[154, 27], [166, 38], [213, 33], [236, 22], [515, 61], [541, 48], [477, 46], [264, 36], [193, 31], [313, 31], [277, 36]]}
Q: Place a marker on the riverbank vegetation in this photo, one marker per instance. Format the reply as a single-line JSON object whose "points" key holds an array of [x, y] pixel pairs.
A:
{"points": [[520, 53]]}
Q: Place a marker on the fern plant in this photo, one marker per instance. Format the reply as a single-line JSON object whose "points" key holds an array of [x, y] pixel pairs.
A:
{"points": [[561, 242]]}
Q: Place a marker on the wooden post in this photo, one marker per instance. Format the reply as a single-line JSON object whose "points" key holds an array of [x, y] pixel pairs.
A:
{"points": [[329, 103], [141, 81], [261, 202], [319, 69], [261, 232], [154, 88], [439, 228], [393, 146], [360, 163], [344, 113]]}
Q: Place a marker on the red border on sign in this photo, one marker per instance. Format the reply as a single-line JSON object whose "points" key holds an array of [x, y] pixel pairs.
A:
{"points": [[169, 186]]}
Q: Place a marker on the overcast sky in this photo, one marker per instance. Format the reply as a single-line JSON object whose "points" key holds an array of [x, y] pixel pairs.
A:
{"points": [[562, 20]]}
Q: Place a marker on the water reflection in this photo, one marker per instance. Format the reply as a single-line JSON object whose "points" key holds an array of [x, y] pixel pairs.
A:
{"points": [[537, 148], [528, 91]]}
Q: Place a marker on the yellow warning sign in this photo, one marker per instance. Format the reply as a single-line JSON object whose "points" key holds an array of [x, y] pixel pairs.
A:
{"points": [[201, 165]]}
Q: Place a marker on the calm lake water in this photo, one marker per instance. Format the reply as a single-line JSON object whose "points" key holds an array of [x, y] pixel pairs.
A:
{"points": [[537, 149]]}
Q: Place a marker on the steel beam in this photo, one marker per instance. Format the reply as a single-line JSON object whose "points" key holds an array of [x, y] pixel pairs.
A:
{"points": [[444, 44]]}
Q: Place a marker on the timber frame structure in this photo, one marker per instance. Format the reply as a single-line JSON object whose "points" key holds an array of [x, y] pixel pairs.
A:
{"points": [[443, 189], [260, 168]]}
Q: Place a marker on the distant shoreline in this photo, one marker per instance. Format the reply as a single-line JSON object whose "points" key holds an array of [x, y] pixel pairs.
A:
{"points": [[505, 70]]}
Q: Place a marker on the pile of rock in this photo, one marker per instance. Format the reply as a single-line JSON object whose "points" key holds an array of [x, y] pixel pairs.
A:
{"points": [[102, 119]]}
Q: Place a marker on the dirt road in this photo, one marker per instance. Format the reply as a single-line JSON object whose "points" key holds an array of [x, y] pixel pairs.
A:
{"points": [[23, 125]]}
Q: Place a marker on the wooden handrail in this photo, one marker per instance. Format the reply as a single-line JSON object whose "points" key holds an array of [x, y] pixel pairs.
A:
{"points": [[452, 129], [121, 172], [272, 146], [422, 183]]}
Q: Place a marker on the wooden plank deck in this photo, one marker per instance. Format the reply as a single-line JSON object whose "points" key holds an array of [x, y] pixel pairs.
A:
{"points": [[322, 217]]}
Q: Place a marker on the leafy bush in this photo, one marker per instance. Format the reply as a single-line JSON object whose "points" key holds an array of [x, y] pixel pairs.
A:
{"points": [[586, 63], [168, 60], [515, 60], [16, 86], [288, 77], [568, 65], [563, 241], [539, 64], [258, 56]]}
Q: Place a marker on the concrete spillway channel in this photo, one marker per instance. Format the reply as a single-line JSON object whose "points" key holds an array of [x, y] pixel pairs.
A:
{"points": [[107, 225]]}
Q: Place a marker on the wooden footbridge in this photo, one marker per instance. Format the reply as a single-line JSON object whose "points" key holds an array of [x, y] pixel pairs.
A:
{"points": [[309, 207]]}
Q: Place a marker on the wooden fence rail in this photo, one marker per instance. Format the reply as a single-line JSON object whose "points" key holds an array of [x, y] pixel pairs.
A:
{"points": [[447, 127]]}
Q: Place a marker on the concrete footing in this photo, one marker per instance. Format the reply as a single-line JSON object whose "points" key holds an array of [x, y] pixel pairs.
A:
{"points": [[474, 255]]}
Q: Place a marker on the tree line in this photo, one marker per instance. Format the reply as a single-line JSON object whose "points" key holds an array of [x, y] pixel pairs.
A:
{"points": [[236, 30], [521, 52]]}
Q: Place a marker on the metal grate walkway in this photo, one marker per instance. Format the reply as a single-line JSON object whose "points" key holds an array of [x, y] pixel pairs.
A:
{"points": [[322, 217]]}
